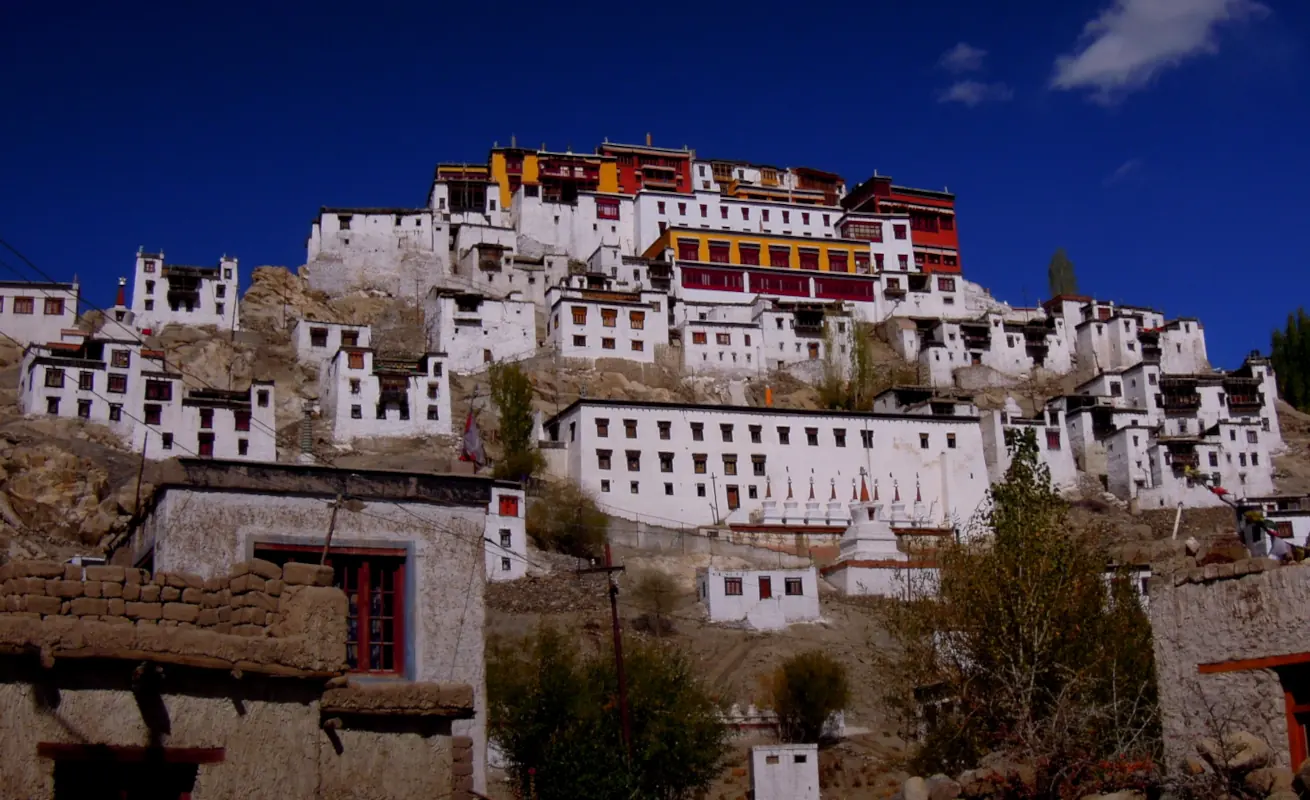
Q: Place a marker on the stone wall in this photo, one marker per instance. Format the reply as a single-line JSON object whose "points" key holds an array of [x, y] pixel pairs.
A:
{"points": [[252, 601], [1219, 613]]}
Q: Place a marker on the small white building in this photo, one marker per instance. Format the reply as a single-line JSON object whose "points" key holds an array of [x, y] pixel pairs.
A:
{"points": [[133, 391], [591, 324], [785, 772], [37, 312], [173, 294], [317, 342], [506, 537], [475, 330], [764, 600], [1053, 447], [365, 396]]}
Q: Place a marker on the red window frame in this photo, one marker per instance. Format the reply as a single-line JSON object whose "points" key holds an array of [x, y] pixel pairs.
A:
{"points": [[720, 253], [205, 444], [780, 257], [355, 360], [862, 263], [509, 505], [766, 587], [206, 418], [688, 250], [241, 419], [838, 262], [362, 572], [750, 254], [608, 209], [809, 259], [54, 306], [899, 230], [24, 305]]}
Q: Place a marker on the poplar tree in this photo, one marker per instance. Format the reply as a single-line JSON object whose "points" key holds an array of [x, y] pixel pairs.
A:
{"points": [[1060, 274], [1291, 357]]}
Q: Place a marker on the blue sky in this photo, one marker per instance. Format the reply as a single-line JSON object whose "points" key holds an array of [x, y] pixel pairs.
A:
{"points": [[1161, 142]]}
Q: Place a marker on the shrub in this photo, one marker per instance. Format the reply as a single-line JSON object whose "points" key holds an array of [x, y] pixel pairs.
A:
{"points": [[511, 391], [656, 594], [567, 520], [806, 691]]}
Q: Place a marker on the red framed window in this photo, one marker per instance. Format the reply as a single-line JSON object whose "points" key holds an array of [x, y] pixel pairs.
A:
{"points": [[862, 263], [947, 222], [1053, 440], [242, 420], [688, 250], [355, 360], [159, 390], [786, 216], [745, 212], [780, 257], [374, 582], [838, 262], [903, 260], [206, 417], [509, 505], [609, 209], [878, 260], [720, 252], [899, 230], [205, 443], [945, 284], [723, 212], [750, 254], [54, 306], [809, 259]]}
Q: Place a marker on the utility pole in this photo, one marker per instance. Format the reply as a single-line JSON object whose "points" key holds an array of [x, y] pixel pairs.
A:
{"points": [[140, 473], [332, 526], [609, 569]]}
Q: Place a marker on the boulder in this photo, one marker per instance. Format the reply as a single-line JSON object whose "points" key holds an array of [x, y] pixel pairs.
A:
{"points": [[915, 788], [941, 787], [1239, 751], [1269, 780]]}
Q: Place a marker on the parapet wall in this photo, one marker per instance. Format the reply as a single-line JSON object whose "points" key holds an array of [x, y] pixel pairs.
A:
{"points": [[262, 617]]}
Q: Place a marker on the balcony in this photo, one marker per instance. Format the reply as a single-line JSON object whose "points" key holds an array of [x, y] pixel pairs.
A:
{"points": [[1246, 403], [1180, 402], [893, 290], [1181, 460]]}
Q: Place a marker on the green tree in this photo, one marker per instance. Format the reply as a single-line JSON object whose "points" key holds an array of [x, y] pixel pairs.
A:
{"points": [[556, 716], [850, 382], [1060, 274], [511, 391], [1021, 647], [806, 691], [567, 520], [656, 593], [1291, 360]]}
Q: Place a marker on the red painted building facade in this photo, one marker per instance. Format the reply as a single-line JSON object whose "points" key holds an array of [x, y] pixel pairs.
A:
{"points": [[646, 167], [932, 219]]}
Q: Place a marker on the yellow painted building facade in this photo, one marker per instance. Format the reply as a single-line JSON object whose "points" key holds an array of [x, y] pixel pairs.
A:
{"points": [[679, 241], [530, 173]]}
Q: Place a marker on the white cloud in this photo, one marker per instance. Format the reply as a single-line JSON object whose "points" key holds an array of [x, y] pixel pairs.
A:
{"points": [[962, 58], [1130, 167], [973, 93], [1133, 41]]}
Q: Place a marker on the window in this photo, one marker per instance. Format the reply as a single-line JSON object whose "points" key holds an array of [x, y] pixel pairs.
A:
{"points": [[950, 441], [758, 465], [798, 759], [243, 447], [115, 412], [839, 437], [723, 338], [704, 210], [54, 378], [1255, 457], [318, 337], [698, 431], [899, 231], [732, 587], [355, 360], [809, 259], [723, 212], [356, 412], [206, 418], [167, 440], [218, 308], [605, 486], [205, 445], [602, 428], [609, 209], [241, 420], [638, 346], [24, 305], [923, 441], [637, 320], [606, 344], [837, 261], [344, 223], [579, 341], [509, 506], [120, 359], [1241, 459], [354, 386], [770, 759], [52, 405], [793, 587], [698, 337], [665, 429], [720, 252], [700, 490], [220, 291], [945, 284], [1052, 440], [579, 315], [630, 428], [729, 464], [54, 306], [689, 249], [1214, 459], [779, 256], [261, 398], [866, 439], [1252, 437], [634, 487], [433, 388], [805, 218], [634, 460], [698, 463], [755, 433], [812, 437], [84, 409], [666, 462], [374, 585], [608, 317], [150, 305], [784, 435]]}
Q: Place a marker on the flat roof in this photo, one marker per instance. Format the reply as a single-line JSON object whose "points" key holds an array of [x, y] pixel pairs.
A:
{"points": [[282, 478], [38, 285], [728, 409]]}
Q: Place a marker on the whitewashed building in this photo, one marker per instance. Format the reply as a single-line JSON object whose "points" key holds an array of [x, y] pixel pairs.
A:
{"points": [[505, 537], [365, 396], [37, 312], [133, 391], [763, 335], [764, 600], [887, 549], [591, 324], [785, 772], [173, 294], [317, 342], [403, 251], [475, 330], [1053, 447], [699, 464]]}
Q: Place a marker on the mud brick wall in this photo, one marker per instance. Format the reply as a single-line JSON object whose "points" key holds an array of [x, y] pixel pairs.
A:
{"points": [[251, 601]]}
